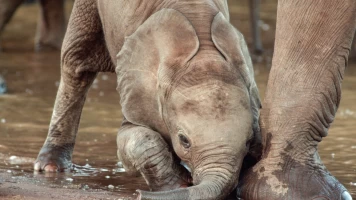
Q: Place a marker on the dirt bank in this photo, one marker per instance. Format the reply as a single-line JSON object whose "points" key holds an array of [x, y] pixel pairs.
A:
{"points": [[27, 188]]}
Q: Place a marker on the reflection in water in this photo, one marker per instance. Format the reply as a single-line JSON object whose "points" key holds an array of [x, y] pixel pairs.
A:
{"points": [[25, 113], [85, 177]]}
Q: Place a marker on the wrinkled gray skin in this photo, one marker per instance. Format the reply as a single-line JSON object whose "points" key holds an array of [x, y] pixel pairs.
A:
{"points": [[187, 92], [313, 41], [51, 22]]}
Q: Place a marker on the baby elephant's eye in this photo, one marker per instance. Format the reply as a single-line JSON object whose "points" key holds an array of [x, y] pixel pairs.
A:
{"points": [[184, 141]]}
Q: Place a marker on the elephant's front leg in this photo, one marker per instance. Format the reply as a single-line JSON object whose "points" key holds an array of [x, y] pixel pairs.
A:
{"points": [[7, 9], [56, 153], [313, 40], [83, 55], [51, 25], [144, 151]]}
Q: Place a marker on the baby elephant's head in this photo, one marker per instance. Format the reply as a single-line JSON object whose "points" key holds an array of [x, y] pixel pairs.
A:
{"points": [[210, 105], [210, 117]]}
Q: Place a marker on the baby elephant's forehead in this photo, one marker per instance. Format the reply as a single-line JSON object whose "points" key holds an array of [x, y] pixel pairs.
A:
{"points": [[205, 71], [215, 102]]}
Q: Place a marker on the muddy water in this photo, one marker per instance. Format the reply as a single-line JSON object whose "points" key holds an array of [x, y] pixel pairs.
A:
{"points": [[33, 81]]}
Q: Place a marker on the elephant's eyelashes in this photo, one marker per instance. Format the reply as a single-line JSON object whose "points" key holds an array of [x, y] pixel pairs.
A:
{"points": [[184, 141]]}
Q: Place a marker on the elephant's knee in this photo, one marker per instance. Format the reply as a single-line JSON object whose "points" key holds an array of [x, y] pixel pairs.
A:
{"points": [[138, 146], [76, 74]]}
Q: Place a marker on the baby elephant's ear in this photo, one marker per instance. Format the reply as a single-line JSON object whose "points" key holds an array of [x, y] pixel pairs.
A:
{"points": [[166, 39], [148, 60], [230, 42]]}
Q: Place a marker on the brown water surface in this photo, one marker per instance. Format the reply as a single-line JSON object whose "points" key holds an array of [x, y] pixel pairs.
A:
{"points": [[33, 81]]}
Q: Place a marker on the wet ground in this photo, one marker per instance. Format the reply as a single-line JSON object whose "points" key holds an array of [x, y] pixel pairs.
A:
{"points": [[25, 113]]}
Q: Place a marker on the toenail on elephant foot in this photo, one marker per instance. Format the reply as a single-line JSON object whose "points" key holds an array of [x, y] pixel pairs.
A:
{"points": [[54, 158]]}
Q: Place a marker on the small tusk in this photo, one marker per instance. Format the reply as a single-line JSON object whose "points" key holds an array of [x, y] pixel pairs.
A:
{"points": [[185, 166]]}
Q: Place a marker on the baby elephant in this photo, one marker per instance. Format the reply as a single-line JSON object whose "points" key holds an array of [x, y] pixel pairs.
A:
{"points": [[187, 92]]}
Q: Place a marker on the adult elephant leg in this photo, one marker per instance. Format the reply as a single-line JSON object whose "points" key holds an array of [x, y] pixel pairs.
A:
{"points": [[143, 150], [51, 25], [7, 9], [255, 18], [83, 55], [313, 40]]}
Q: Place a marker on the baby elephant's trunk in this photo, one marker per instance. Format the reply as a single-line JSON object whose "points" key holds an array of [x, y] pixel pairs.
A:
{"points": [[213, 184], [206, 191]]}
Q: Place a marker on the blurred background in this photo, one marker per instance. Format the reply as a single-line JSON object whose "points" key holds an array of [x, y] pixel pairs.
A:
{"points": [[33, 78]]}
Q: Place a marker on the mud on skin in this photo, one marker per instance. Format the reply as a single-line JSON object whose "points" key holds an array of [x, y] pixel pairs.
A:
{"points": [[303, 95]]}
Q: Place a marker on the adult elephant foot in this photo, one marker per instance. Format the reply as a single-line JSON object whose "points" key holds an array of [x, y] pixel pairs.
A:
{"points": [[54, 158], [284, 174], [51, 25]]}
